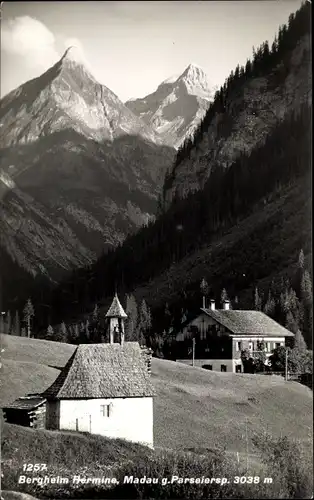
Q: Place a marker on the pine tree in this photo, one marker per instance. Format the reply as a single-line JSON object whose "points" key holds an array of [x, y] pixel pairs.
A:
{"points": [[270, 306], [75, 334], [274, 47], [2, 329], [8, 323], [96, 313], [290, 307], [145, 321], [223, 296], [28, 315], [306, 288], [266, 50], [63, 334], [131, 332], [248, 68], [298, 275], [291, 323], [87, 332], [204, 290], [17, 326], [257, 300], [167, 317], [50, 333], [94, 326], [299, 342], [306, 294], [301, 260]]}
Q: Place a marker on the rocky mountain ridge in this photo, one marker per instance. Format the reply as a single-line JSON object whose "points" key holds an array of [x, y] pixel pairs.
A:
{"points": [[177, 105], [79, 171], [67, 95]]}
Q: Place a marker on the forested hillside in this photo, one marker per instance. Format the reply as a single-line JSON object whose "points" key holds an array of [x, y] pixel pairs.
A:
{"points": [[247, 230], [248, 106]]}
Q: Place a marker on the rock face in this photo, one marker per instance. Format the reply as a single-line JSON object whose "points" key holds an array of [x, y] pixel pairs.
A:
{"points": [[78, 170], [250, 115], [67, 96], [177, 106]]}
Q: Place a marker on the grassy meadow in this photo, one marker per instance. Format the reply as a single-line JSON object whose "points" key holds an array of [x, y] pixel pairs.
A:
{"points": [[201, 418]]}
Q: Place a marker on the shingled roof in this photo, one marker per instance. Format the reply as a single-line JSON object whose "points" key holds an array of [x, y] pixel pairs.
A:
{"points": [[240, 322], [26, 403], [103, 371], [116, 310]]}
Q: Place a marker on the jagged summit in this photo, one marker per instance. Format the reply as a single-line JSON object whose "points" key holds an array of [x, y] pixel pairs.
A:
{"points": [[192, 71], [73, 54], [177, 105], [196, 82], [192, 67]]}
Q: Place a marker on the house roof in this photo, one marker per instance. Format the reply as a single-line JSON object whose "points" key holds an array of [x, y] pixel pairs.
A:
{"points": [[103, 371], [116, 310], [26, 403], [241, 322]]}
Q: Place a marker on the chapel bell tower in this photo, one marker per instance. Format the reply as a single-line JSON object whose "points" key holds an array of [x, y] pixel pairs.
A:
{"points": [[116, 316]]}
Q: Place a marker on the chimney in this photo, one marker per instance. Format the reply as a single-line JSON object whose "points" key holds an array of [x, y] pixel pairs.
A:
{"points": [[226, 305], [212, 304]]}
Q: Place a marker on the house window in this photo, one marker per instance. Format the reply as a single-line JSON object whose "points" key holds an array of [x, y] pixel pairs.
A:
{"points": [[223, 368], [208, 367], [250, 346], [105, 410], [268, 348], [239, 346], [238, 368]]}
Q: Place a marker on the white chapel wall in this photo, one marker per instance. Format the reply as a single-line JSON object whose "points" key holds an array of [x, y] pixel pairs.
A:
{"points": [[130, 418]]}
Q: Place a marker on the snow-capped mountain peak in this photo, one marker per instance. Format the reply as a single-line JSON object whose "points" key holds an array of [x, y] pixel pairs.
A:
{"points": [[73, 58], [68, 96], [177, 105], [73, 54], [196, 82]]}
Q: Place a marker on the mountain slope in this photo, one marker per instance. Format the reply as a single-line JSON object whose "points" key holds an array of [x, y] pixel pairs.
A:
{"points": [[78, 171], [248, 107], [177, 106], [243, 229], [247, 237]]}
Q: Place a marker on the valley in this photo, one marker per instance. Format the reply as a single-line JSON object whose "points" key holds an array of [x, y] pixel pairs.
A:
{"points": [[191, 204]]}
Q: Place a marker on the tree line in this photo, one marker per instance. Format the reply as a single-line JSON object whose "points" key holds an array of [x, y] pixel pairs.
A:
{"points": [[290, 302], [92, 329]]}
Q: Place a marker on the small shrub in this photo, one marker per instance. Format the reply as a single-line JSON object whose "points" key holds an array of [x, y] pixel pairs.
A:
{"points": [[286, 462]]}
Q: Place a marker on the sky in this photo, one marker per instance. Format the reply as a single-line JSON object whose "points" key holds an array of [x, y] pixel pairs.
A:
{"points": [[132, 46]]}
